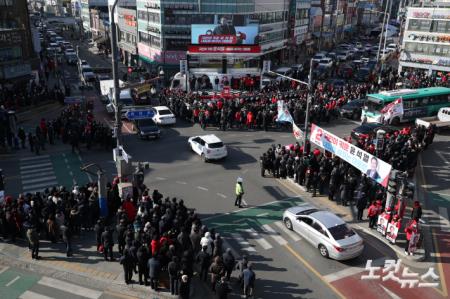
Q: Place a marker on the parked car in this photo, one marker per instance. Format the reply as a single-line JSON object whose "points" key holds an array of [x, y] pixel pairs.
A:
{"points": [[163, 116], [147, 128], [327, 62], [325, 231], [342, 56], [319, 56], [209, 147], [352, 109], [370, 129]]}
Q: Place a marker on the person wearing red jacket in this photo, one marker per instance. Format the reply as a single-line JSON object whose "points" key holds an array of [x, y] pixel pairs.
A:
{"points": [[249, 120], [372, 214], [155, 246], [130, 209], [409, 230]]}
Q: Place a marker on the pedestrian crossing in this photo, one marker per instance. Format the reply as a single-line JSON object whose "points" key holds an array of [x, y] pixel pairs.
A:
{"points": [[14, 284], [266, 237], [37, 173]]}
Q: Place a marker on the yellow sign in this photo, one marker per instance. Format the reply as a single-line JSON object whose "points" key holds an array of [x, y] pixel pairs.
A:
{"points": [[143, 88]]}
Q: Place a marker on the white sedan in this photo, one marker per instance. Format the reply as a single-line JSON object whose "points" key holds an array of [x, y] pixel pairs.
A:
{"points": [[209, 147], [325, 231], [163, 116]]}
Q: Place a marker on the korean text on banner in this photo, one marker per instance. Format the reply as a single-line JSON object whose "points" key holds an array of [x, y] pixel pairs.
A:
{"points": [[373, 167], [283, 112], [298, 133], [393, 109]]}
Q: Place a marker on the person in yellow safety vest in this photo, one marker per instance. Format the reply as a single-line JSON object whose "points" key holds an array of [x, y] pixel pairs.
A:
{"points": [[239, 192]]}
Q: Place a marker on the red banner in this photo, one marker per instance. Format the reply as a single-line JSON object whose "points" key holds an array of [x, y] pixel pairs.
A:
{"points": [[254, 49]]}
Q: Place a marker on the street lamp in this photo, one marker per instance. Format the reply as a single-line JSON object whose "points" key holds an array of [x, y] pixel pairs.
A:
{"points": [[309, 99], [115, 73]]}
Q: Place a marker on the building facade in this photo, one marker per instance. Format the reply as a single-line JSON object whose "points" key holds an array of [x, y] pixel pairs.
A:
{"points": [[101, 7], [426, 39], [127, 33], [17, 53]]}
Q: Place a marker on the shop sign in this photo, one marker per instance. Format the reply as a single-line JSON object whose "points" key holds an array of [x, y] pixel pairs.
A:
{"points": [[10, 37], [15, 71]]}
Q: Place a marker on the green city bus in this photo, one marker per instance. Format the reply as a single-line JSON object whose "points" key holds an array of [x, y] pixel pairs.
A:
{"points": [[421, 102]]}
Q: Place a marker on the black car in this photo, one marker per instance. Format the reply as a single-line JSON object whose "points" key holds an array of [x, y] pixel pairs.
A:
{"points": [[352, 109], [370, 129], [147, 128]]}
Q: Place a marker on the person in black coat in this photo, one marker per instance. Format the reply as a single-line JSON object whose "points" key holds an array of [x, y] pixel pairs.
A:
{"points": [[154, 267], [99, 228], [229, 262], [142, 259], [108, 244], [184, 289], [121, 229], [66, 231], [174, 268], [223, 288], [127, 262], [203, 260], [361, 202]]}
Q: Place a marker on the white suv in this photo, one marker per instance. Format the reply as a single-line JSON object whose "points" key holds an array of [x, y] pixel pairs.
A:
{"points": [[209, 147]]}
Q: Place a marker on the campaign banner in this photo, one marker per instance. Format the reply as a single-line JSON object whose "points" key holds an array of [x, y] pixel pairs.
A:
{"points": [[283, 112], [393, 109], [382, 224], [298, 133], [375, 168], [392, 232], [223, 34], [197, 49], [412, 247]]}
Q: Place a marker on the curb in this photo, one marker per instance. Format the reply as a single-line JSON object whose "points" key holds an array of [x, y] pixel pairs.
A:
{"points": [[420, 254]]}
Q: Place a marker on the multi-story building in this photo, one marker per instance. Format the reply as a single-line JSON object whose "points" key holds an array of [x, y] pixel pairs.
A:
{"points": [[127, 33], [164, 27], [426, 39], [91, 29], [17, 54]]}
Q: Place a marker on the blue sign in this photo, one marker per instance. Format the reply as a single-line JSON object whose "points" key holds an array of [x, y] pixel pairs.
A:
{"points": [[139, 114]]}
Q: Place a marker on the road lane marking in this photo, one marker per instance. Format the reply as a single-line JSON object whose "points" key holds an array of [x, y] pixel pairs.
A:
{"points": [[69, 288], [202, 188], [290, 233], [40, 165], [34, 158], [12, 281], [181, 182], [351, 271], [260, 240], [35, 171], [275, 235], [33, 295], [33, 175], [390, 293], [262, 214], [240, 220], [221, 195], [444, 219], [41, 179], [244, 243], [160, 178], [244, 202], [307, 265], [40, 186]]}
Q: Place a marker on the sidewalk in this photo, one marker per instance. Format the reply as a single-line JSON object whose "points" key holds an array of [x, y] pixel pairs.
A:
{"points": [[348, 213], [87, 265]]}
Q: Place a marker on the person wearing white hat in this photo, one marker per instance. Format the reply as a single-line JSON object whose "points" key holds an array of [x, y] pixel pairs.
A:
{"points": [[239, 192]]}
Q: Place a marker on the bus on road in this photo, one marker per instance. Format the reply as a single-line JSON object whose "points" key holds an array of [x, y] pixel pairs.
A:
{"points": [[417, 103]]}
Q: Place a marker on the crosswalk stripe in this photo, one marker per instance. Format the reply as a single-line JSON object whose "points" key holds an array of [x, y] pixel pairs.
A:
{"points": [[444, 218], [39, 186], [33, 295], [36, 180], [261, 241], [243, 242], [40, 165], [33, 175], [36, 171], [35, 158], [276, 236], [288, 232], [69, 288], [4, 269]]}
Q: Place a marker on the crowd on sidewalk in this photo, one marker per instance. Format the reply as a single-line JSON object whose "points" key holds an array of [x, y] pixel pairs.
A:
{"points": [[157, 238]]}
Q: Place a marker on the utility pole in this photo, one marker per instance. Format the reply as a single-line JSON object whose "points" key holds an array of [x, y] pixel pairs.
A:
{"points": [[115, 73], [382, 27], [308, 101]]}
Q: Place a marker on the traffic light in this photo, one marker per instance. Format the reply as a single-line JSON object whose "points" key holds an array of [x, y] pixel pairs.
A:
{"points": [[391, 189]]}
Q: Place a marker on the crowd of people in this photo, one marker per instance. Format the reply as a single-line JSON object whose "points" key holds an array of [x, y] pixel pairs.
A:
{"points": [[157, 238], [322, 173]]}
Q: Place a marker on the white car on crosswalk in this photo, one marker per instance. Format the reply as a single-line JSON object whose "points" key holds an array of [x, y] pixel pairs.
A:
{"points": [[163, 116], [325, 231], [209, 147]]}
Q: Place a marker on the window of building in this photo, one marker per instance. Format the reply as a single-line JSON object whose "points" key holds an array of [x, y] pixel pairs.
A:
{"points": [[6, 2], [13, 53], [419, 25]]}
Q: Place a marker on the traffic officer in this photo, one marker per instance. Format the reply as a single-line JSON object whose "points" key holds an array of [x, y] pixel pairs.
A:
{"points": [[239, 192]]}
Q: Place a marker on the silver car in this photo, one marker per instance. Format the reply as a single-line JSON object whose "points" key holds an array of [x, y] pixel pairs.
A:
{"points": [[325, 231]]}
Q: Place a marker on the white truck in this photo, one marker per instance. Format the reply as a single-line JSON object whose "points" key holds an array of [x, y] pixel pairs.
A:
{"points": [[442, 119]]}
